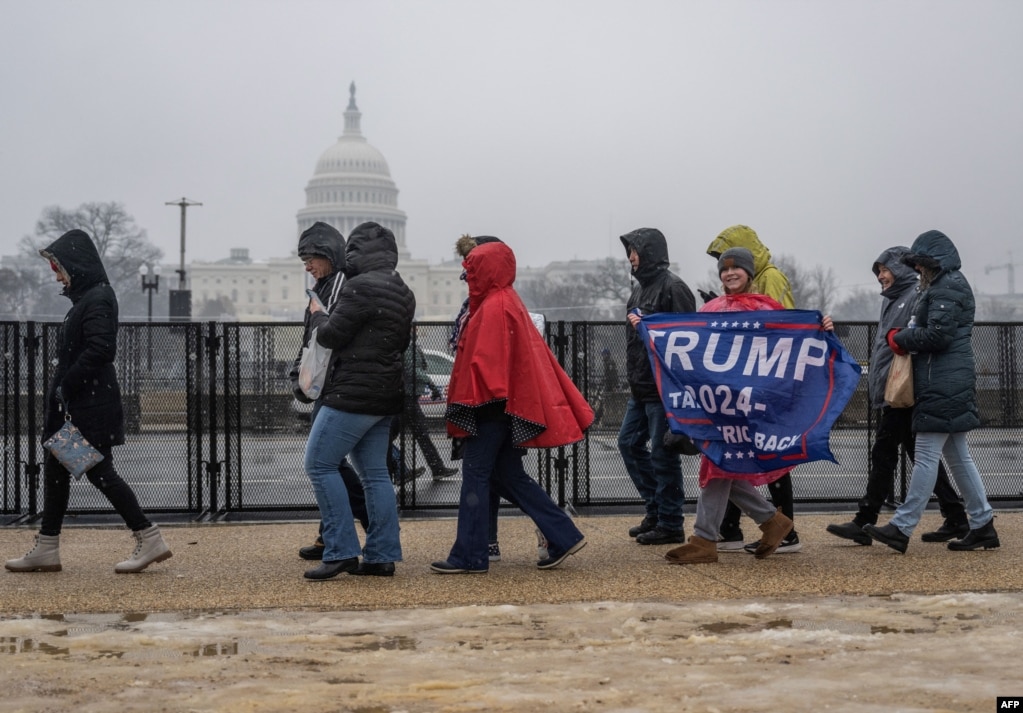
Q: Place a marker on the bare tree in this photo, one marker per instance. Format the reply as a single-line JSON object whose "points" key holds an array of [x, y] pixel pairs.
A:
{"points": [[863, 305], [812, 288], [598, 294], [559, 299], [27, 293], [217, 308], [122, 245]]}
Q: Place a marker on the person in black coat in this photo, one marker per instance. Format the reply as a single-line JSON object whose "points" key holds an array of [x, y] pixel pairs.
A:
{"points": [[939, 337], [656, 471], [894, 425], [84, 387], [322, 251], [367, 330]]}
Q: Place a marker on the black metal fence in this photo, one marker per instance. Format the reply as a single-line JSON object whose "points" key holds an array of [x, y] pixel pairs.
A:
{"points": [[213, 428]]}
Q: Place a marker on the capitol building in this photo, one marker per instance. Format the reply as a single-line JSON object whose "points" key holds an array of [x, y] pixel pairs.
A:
{"points": [[351, 185]]}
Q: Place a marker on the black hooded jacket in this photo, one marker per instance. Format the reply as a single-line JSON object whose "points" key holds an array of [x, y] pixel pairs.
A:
{"points": [[944, 376], [87, 346], [369, 327], [657, 290], [319, 240]]}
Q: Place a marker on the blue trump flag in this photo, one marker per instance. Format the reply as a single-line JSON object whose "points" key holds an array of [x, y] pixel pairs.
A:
{"points": [[755, 391]]}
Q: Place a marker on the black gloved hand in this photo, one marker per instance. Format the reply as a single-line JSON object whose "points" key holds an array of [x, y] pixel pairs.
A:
{"points": [[707, 296], [679, 443]]}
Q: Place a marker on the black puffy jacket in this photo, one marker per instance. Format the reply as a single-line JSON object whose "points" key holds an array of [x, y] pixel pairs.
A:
{"points": [[944, 376], [657, 290], [319, 240], [369, 327], [87, 346]]}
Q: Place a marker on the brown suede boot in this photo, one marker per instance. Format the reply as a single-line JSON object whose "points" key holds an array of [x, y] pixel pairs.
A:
{"points": [[696, 551], [774, 531]]}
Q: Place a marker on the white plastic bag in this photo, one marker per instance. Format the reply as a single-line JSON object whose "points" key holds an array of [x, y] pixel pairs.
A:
{"points": [[312, 367]]}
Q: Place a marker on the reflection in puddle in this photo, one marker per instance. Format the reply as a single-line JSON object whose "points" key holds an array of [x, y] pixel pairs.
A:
{"points": [[723, 627], [19, 645], [377, 643], [218, 649]]}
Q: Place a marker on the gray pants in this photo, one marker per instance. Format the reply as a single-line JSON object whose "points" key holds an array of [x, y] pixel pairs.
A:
{"points": [[710, 507]]}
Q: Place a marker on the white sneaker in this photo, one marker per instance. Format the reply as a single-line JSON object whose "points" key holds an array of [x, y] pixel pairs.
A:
{"points": [[736, 545], [789, 545]]}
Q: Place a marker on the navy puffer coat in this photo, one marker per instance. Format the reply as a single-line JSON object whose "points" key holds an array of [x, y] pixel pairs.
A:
{"points": [[944, 375], [369, 327], [88, 344]]}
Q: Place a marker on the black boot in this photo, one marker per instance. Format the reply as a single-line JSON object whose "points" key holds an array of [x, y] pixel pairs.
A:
{"points": [[660, 536], [889, 535], [374, 569], [328, 570], [850, 531], [981, 538], [313, 551], [649, 523], [949, 530]]}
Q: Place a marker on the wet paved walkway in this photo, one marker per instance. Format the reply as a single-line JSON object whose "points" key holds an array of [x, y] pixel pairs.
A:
{"points": [[229, 624], [241, 566]]}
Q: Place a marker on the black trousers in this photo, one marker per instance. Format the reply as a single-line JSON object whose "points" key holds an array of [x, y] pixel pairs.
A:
{"points": [[415, 420], [57, 491], [894, 429]]}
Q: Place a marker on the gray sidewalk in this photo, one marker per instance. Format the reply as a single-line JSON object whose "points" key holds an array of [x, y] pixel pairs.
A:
{"points": [[244, 566]]}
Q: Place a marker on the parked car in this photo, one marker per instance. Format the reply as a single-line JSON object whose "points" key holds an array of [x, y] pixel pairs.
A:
{"points": [[438, 371]]}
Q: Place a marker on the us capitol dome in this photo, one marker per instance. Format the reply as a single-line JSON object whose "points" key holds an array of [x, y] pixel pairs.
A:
{"points": [[352, 185]]}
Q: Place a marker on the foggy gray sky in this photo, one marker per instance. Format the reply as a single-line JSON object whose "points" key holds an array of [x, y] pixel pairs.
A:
{"points": [[835, 129]]}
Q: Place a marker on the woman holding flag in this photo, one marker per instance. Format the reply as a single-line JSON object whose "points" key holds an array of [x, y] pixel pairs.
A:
{"points": [[718, 486]]}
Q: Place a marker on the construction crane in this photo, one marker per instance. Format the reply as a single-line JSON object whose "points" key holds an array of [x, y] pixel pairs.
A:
{"points": [[1012, 272]]}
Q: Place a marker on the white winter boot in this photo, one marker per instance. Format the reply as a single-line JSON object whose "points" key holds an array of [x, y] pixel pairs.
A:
{"points": [[150, 548], [44, 557]]}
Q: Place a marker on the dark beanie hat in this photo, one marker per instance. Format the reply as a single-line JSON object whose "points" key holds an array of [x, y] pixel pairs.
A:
{"points": [[736, 257]]}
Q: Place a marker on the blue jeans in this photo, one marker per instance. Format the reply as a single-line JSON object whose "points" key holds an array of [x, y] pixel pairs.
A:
{"points": [[656, 472], [365, 438], [930, 447], [491, 459]]}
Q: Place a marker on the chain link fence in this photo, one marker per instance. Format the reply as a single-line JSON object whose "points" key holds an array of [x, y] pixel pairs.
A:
{"points": [[213, 428]]}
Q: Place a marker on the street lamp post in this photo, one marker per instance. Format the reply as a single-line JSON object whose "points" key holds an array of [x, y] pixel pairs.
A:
{"points": [[181, 298], [150, 283]]}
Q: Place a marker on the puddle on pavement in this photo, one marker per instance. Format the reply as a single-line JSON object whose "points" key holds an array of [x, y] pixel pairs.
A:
{"points": [[86, 624], [19, 645]]}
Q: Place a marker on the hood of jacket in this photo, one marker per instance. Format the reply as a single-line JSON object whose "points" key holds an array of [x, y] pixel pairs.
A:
{"points": [[489, 267], [652, 248], [905, 276], [934, 249], [741, 236], [322, 240], [76, 255], [370, 247]]}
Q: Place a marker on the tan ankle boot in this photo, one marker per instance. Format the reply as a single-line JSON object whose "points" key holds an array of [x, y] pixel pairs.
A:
{"points": [[774, 531], [44, 557], [149, 548], [696, 551]]}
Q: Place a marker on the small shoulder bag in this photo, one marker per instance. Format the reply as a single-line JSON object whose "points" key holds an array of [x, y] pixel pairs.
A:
{"points": [[70, 447]]}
